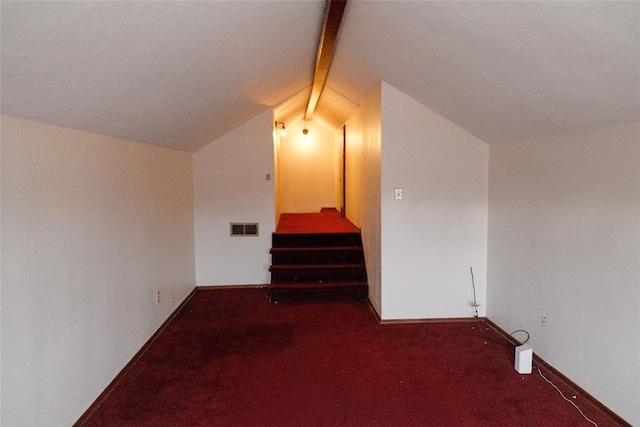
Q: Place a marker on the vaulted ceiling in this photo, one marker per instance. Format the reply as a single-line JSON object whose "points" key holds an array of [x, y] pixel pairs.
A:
{"points": [[182, 74]]}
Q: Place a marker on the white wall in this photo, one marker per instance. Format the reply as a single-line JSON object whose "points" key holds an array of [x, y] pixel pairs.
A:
{"points": [[363, 150], [564, 242], [306, 173], [276, 173], [418, 250], [230, 185], [337, 164], [439, 230], [0, 270], [91, 227]]}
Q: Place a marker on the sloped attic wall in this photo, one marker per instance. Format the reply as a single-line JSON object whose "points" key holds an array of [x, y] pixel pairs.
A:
{"points": [[92, 227], [362, 180], [418, 249], [564, 242], [230, 185], [0, 270], [438, 231]]}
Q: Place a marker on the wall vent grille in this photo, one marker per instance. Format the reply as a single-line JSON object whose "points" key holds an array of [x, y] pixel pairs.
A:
{"points": [[244, 229]]}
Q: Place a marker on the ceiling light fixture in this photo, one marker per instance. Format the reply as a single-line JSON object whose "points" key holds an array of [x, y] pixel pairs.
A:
{"points": [[280, 128]]}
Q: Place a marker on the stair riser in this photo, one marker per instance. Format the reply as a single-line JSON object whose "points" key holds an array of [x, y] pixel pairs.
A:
{"points": [[322, 266], [333, 275], [316, 240], [317, 257], [359, 293]]}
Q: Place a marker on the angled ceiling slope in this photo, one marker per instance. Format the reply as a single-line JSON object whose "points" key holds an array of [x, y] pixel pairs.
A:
{"points": [[175, 74], [500, 70], [332, 111], [182, 74]]}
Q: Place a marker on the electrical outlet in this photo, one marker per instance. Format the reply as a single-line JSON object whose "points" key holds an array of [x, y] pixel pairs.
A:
{"points": [[157, 297], [544, 321]]}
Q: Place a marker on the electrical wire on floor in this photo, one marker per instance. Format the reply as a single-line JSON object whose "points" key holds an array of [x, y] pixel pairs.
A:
{"points": [[508, 343], [565, 398]]}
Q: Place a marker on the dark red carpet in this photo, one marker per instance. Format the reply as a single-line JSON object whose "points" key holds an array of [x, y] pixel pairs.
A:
{"points": [[232, 359], [328, 220]]}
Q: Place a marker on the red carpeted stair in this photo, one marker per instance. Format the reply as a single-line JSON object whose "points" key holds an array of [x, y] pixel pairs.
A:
{"points": [[317, 256]]}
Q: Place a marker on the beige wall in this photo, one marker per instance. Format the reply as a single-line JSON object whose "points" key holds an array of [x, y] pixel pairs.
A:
{"points": [[418, 250], [276, 175], [338, 177], [230, 185], [0, 268], [438, 231], [564, 242], [363, 185], [306, 168], [92, 227]]}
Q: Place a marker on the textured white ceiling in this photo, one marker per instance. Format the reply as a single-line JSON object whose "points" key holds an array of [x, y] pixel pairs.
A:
{"points": [[181, 74], [177, 74], [500, 70]]}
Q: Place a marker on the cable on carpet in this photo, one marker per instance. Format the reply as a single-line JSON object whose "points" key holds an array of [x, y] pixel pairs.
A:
{"points": [[565, 398], [508, 343]]}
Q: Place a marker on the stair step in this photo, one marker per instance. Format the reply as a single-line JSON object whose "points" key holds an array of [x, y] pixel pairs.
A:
{"points": [[299, 256], [318, 266], [306, 285], [305, 240], [331, 273], [317, 248], [297, 292], [314, 267]]}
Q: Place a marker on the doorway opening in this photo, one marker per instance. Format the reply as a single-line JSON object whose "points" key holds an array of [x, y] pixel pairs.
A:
{"points": [[310, 168]]}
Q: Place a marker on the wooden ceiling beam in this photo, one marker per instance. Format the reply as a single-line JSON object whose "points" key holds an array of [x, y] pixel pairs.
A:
{"points": [[332, 18]]}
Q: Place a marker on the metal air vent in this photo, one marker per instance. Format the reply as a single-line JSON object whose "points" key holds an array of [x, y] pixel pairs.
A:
{"points": [[244, 229]]}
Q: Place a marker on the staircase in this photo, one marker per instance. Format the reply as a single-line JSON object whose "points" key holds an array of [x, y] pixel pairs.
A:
{"points": [[317, 267]]}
